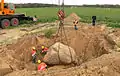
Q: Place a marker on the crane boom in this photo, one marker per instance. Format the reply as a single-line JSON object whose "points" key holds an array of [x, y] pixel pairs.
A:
{"points": [[2, 5]]}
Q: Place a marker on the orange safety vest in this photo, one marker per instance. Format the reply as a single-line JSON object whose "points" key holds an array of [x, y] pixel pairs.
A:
{"points": [[45, 49], [42, 67], [75, 22], [61, 14], [33, 52]]}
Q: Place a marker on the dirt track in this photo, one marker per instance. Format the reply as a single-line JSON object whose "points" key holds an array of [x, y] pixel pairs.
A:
{"points": [[8, 36]]}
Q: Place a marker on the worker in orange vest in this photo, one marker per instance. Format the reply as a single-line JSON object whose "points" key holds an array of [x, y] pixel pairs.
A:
{"points": [[44, 49], [34, 54], [42, 66], [75, 22], [61, 16]]}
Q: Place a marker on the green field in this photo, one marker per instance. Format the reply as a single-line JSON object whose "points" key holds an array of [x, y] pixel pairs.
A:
{"points": [[110, 16]]}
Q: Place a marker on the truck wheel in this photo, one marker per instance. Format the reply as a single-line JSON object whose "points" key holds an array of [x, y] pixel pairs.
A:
{"points": [[5, 23], [14, 22]]}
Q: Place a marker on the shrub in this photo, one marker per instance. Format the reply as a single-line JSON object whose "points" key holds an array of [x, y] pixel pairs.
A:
{"points": [[49, 32]]}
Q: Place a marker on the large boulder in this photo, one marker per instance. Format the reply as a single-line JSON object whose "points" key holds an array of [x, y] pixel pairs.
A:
{"points": [[60, 54]]}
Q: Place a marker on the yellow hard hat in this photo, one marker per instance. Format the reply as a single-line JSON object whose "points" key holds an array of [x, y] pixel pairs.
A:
{"points": [[33, 48], [39, 61], [43, 47]]}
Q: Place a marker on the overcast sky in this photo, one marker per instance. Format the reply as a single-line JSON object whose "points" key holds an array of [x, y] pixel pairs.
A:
{"points": [[68, 2]]}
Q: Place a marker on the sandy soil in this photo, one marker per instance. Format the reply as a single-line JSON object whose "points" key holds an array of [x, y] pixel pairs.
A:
{"points": [[95, 53]]}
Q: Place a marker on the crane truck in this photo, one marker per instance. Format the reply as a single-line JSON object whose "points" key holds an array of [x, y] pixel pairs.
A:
{"points": [[8, 17]]}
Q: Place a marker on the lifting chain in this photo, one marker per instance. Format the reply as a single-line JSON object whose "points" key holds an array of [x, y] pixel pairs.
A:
{"points": [[61, 29]]}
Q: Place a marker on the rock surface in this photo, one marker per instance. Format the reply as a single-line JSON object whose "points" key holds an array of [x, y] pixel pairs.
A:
{"points": [[60, 54]]}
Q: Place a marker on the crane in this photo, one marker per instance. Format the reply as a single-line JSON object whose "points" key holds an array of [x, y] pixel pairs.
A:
{"points": [[6, 9], [9, 17]]}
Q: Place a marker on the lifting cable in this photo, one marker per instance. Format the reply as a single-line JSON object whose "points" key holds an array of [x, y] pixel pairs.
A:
{"points": [[61, 31]]}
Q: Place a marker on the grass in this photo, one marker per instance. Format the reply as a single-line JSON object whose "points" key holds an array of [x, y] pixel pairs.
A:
{"points": [[109, 16], [49, 32]]}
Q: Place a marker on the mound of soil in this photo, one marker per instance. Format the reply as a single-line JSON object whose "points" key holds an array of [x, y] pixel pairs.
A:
{"points": [[88, 42], [106, 65], [21, 51], [71, 18]]}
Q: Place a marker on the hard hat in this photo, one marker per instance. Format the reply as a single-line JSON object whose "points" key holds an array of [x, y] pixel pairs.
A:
{"points": [[43, 47], [33, 48], [39, 61]]}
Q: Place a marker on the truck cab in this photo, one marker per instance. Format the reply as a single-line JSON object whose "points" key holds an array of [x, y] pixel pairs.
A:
{"points": [[6, 8], [9, 9], [8, 16]]}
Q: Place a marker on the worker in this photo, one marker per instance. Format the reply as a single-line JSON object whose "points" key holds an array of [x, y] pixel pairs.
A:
{"points": [[35, 18], [61, 16], [75, 22], [33, 54], [44, 50], [42, 66], [93, 20]]}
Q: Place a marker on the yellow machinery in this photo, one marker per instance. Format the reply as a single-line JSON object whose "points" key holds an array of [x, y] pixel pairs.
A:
{"points": [[6, 9], [8, 16]]}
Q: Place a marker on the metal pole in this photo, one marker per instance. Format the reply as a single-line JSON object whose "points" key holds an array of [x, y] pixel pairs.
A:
{"points": [[59, 4], [63, 4]]}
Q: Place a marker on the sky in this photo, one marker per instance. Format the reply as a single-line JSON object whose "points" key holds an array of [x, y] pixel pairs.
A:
{"points": [[67, 2]]}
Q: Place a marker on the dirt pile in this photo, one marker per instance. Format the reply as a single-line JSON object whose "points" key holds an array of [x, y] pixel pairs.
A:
{"points": [[4, 68], [71, 18], [106, 65], [93, 45], [88, 42], [18, 55]]}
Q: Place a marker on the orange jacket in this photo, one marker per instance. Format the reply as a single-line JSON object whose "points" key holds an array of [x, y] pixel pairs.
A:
{"points": [[75, 22], [45, 49], [42, 67], [33, 52], [61, 14]]}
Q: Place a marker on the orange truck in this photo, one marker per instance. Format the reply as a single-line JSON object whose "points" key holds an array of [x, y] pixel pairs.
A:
{"points": [[8, 16]]}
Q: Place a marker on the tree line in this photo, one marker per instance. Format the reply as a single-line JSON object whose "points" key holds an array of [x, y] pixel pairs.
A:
{"points": [[103, 6], [34, 5]]}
